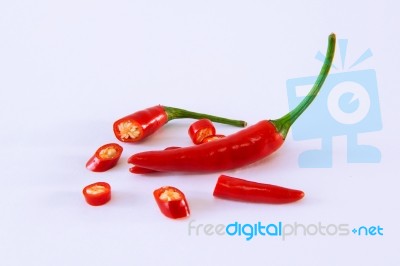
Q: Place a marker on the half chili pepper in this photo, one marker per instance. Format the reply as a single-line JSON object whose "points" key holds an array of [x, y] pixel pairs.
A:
{"points": [[97, 194], [242, 148], [201, 129], [141, 124], [172, 202], [243, 190], [105, 158]]}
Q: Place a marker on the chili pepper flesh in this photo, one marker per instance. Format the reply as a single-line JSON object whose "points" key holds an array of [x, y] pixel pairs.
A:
{"points": [[129, 130], [242, 148], [143, 123], [233, 188]]}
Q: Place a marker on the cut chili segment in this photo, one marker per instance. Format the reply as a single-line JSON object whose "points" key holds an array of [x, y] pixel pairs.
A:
{"points": [[143, 123], [105, 158], [97, 194], [233, 188], [200, 130], [140, 124], [172, 202]]}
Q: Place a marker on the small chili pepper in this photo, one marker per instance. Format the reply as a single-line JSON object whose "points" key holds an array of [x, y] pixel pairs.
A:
{"points": [[105, 158], [212, 138], [201, 129], [141, 124], [172, 202], [97, 194], [243, 190], [242, 148]]}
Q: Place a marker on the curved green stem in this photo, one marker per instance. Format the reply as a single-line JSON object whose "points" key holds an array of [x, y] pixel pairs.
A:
{"points": [[284, 123], [176, 113]]}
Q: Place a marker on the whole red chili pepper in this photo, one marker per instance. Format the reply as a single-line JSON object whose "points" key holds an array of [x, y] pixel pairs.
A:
{"points": [[141, 124], [105, 158], [243, 190], [242, 148], [172, 202]]}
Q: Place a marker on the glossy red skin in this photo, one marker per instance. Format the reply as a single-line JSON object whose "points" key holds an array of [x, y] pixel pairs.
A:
{"points": [[148, 120], [98, 164], [141, 170], [98, 199], [243, 190], [212, 138], [240, 149], [175, 208], [197, 128]]}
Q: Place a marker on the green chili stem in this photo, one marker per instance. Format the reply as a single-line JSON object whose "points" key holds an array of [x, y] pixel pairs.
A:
{"points": [[284, 123], [176, 113]]}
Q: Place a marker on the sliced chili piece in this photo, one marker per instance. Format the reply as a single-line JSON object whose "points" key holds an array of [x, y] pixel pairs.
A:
{"points": [[97, 194], [240, 149], [200, 130], [172, 202], [212, 138], [105, 158], [143, 123], [233, 188]]}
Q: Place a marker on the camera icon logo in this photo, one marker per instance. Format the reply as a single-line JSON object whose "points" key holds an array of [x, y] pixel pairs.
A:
{"points": [[348, 105]]}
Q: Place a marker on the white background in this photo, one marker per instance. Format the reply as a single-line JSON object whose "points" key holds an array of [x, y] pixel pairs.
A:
{"points": [[69, 69]]}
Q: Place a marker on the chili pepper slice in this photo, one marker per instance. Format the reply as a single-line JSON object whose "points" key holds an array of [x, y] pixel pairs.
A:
{"points": [[242, 148], [212, 138], [105, 158], [233, 188], [141, 124], [172, 202], [97, 194], [201, 129]]}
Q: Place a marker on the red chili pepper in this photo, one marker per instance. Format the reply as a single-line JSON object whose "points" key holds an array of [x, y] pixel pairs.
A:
{"points": [[243, 190], [141, 170], [172, 202], [105, 158], [212, 138], [201, 129], [139, 125], [97, 194], [242, 148]]}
